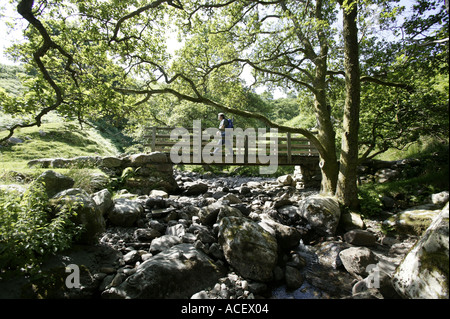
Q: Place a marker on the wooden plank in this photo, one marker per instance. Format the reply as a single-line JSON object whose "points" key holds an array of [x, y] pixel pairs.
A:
{"points": [[153, 139], [289, 147]]}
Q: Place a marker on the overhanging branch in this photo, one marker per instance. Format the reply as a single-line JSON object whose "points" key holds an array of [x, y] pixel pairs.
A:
{"points": [[24, 8], [206, 101]]}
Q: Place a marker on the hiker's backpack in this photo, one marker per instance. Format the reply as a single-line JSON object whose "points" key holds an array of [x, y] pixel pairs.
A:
{"points": [[229, 123]]}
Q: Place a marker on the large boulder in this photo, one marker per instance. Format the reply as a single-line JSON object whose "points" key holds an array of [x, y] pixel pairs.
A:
{"points": [[356, 260], [286, 180], [413, 221], [322, 213], [110, 162], [360, 237], [423, 274], [288, 237], [250, 249], [208, 215], [103, 199], [154, 157], [178, 272], [86, 212], [54, 182], [164, 242], [195, 188], [327, 253], [125, 212]]}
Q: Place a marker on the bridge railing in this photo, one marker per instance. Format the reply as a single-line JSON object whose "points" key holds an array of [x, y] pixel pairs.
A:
{"points": [[289, 145]]}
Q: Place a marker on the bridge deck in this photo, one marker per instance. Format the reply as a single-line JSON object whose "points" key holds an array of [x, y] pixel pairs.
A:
{"points": [[248, 149]]}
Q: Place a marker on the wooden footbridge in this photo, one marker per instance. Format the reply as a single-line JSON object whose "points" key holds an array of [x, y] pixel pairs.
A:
{"points": [[250, 147]]}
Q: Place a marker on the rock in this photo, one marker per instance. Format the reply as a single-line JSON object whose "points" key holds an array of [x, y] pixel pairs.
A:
{"points": [[334, 282], [248, 248], [14, 140], [156, 225], [111, 162], [296, 260], [54, 182], [227, 211], [103, 200], [178, 272], [423, 274], [253, 184], [440, 198], [356, 260], [286, 180], [370, 293], [216, 251], [322, 212], [412, 221], [164, 242], [131, 257], [327, 253], [195, 188], [87, 212], [287, 237], [388, 202], [97, 181], [176, 230], [157, 202], [200, 295], [386, 175], [84, 161], [378, 279], [244, 190], [146, 234], [61, 163], [294, 278], [43, 163], [159, 193], [231, 199], [125, 212], [208, 215], [13, 188], [351, 220], [360, 237], [290, 211], [154, 157], [203, 233]]}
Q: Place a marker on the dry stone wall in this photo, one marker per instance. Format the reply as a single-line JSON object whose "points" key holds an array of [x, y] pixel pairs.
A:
{"points": [[139, 173]]}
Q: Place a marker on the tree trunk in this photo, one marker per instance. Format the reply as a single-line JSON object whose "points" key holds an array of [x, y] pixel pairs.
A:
{"points": [[326, 134], [347, 190]]}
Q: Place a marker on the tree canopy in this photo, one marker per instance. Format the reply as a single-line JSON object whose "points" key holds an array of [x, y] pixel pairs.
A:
{"points": [[91, 59]]}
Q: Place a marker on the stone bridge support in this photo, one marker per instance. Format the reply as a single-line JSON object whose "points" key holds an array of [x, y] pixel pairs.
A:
{"points": [[308, 174]]}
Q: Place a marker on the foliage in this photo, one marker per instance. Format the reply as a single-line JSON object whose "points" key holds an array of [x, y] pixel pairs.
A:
{"points": [[416, 183], [10, 79], [29, 230]]}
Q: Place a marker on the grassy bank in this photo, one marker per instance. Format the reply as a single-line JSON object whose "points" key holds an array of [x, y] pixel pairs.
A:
{"points": [[51, 140]]}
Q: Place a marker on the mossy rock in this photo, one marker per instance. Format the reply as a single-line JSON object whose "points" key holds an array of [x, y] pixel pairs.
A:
{"points": [[413, 221], [250, 249], [423, 274]]}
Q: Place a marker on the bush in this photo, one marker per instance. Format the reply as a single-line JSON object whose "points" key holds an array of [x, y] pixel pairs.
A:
{"points": [[29, 230]]}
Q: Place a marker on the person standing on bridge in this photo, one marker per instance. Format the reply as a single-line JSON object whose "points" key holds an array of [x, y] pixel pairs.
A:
{"points": [[224, 123]]}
